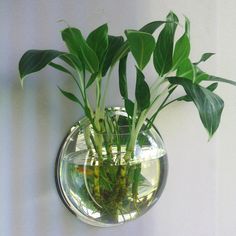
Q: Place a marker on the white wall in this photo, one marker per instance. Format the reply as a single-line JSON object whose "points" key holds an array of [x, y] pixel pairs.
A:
{"points": [[199, 199]]}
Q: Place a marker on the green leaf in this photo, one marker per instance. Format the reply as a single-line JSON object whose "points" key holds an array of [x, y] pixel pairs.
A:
{"points": [[152, 26], [218, 79], [181, 52], [187, 98], [199, 75], [124, 49], [129, 107], [187, 27], [182, 48], [186, 70], [98, 41], [34, 60], [72, 61], [142, 92], [141, 46], [70, 96], [162, 58], [72, 38], [60, 68], [192, 72], [212, 87], [122, 77], [91, 79], [209, 105], [205, 57], [122, 52], [79, 47], [114, 44]]}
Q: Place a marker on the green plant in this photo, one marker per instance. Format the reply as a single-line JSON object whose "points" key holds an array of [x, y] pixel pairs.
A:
{"points": [[91, 61]]}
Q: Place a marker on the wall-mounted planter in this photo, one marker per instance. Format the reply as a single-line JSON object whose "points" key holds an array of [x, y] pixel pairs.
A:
{"points": [[112, 166], [114, 186]]}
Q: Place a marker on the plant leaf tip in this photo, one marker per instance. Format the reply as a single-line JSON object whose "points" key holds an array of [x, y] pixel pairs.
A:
{"points": [[210, 137], [22, 82]]}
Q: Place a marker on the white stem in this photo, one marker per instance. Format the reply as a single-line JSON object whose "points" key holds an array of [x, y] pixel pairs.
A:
{"points": [[98, 92], [134, 116], [141, 120]]}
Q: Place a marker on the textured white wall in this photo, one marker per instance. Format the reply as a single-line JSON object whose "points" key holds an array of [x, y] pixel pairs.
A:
{"points": [[199, 199]]}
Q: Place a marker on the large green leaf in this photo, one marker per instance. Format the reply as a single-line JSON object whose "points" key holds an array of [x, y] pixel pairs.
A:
{"points": [[142, 92], [72, 38], [114, 44], [181, 52], [79, 47], [34, 60], [152, 26], [186, 70], [98, 41], [209, 105], [212, 87], [122, 77], [162, 58], [124, 50], [141, 45], [182, 48]]}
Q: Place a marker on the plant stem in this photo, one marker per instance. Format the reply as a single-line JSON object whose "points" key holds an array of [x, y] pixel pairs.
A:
{"points": [[80, 84], [98, 90], [99, 128], [152, 119], [136, 128], [130, 145], [106, 88], [88, 142]]}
